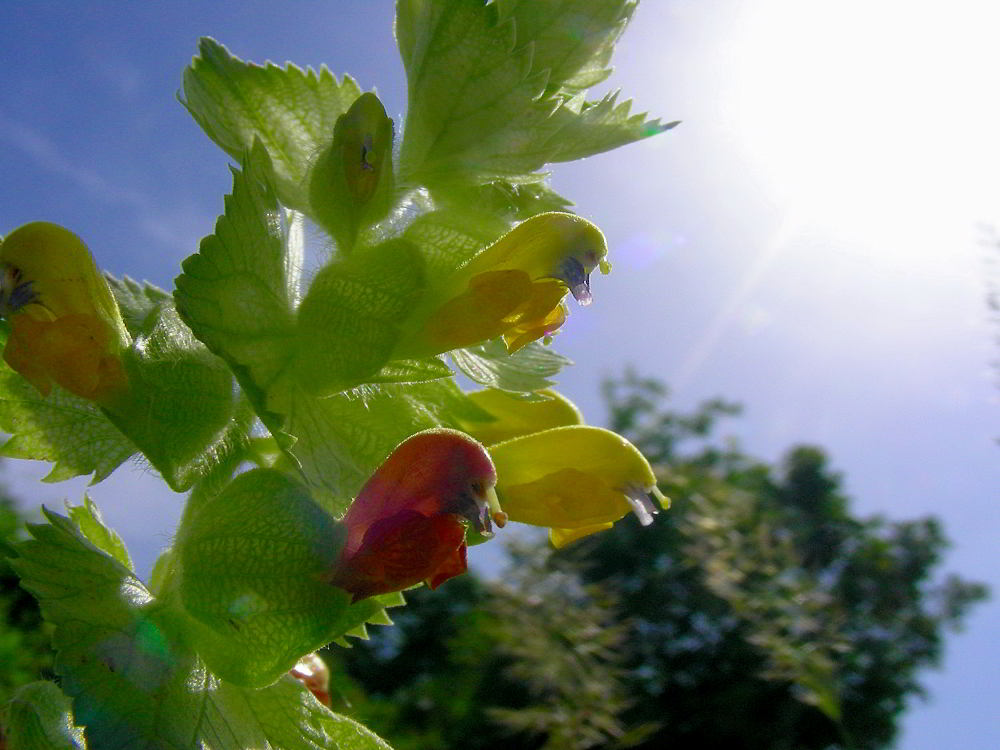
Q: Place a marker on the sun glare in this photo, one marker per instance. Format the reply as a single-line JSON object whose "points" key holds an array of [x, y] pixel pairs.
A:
{"points": [[870, 115]]}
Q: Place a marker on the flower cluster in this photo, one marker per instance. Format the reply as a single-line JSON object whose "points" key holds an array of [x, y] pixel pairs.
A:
{"points": [[529, 461]]}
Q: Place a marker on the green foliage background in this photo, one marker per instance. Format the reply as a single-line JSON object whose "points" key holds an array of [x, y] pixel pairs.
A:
{"points": [[758, 613]]}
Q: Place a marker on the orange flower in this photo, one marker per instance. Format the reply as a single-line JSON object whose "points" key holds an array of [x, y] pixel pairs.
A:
{"points": [[65, 324], [405, 526]]}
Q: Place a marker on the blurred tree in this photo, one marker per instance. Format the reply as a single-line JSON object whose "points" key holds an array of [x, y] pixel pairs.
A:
{"points": [[756, 613], [25, 651], [532, 661]]}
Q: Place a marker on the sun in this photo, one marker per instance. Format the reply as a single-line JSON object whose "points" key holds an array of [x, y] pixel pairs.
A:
{"points": [[872, 115]]}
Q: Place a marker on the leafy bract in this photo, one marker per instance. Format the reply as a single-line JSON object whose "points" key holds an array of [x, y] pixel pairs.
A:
{"points": [[183, 410], [291, 111], [87, 519], [449, 237], [588, 128], [253, 570], [342, 439], [136, 301], [571, 39], [40, 717], [496, 90], [123, 659], [349, 321], [69, 432], [235, 293], [527, 370]]}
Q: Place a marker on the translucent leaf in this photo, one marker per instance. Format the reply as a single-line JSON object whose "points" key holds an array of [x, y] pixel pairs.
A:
{"points": [[412, 371], [349, 322], [136, 301], [40, 717], [449, 237], [88, 520], [496, 90], [525, 371], [234, 292], [69, 432], [183, 411], [573, 39], [342, 439], [292, 112], [467, 83], [588, 128], [254, 565], [122, 658]]}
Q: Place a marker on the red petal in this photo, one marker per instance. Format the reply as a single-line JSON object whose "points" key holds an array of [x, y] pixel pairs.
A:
{"points": [[428, 473], [401, 551]]}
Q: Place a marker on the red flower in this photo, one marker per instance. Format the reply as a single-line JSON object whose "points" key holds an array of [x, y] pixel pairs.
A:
{"points": [[405, 526]]}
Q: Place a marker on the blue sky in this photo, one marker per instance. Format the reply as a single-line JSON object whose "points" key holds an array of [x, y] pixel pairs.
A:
{"points": [[807, 242]]}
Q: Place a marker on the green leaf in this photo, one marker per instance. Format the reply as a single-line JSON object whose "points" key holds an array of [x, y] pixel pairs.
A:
{"points": [[588, 128], [254, 564], [291, 111], [572, 39], [516, 201], [496, 90], [69, 432], [449, 237], [412, 371], [88, 520], [40, 717], [349, 322], [182, 410], [236, 292], [467, 82], [342, 439], [136, 301], [124, 661], [525, 371]]}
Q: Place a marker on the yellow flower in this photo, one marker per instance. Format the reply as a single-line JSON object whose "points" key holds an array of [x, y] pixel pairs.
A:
{"points": [[513, 417], [576, 480], [65, 324], [513, 288]]}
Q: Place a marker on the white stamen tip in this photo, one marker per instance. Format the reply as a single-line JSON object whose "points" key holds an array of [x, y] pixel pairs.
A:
{"points": [[642, 504], [581, 293]]}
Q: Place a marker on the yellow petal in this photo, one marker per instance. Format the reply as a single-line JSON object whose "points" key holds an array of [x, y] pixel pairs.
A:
{"points": [[541, 245], [65, 324], [71, 350], [561, 537], [540, 315], [565, 498], [593, 449], [63, 276], [513, 416], [573, 478], [481, 312]]}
